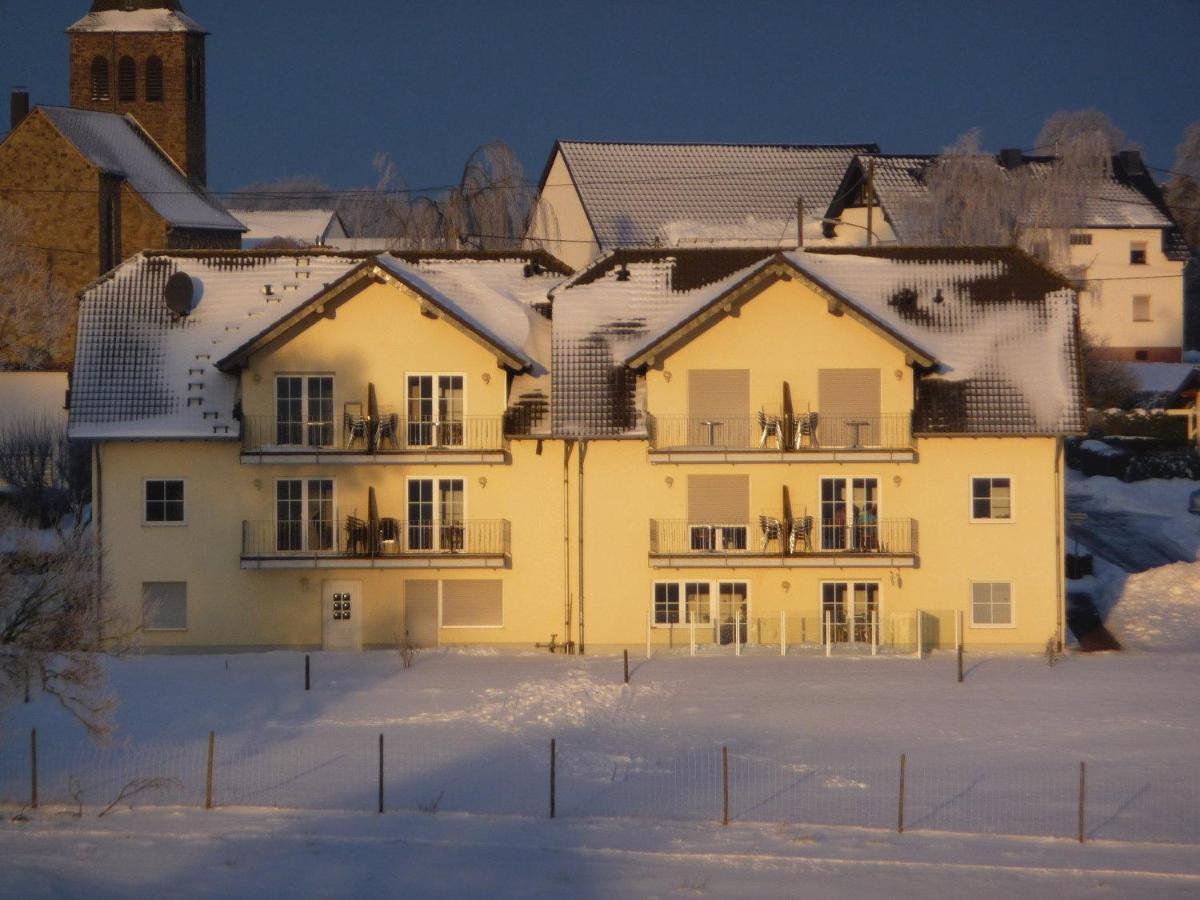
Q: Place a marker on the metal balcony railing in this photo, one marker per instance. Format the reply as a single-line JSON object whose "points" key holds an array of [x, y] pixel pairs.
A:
{"points": [[387, 432], [773, 536], [803, 433], [355, 538]]}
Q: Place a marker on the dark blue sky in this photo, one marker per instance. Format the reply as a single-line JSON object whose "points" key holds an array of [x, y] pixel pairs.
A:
{"points": [[317, 87]]}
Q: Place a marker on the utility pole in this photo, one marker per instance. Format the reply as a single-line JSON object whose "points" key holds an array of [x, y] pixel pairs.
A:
{"points": [[870, 202]]}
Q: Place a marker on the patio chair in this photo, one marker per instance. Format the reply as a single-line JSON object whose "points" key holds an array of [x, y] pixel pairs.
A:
{"points": [[767, 426], [357, 538], [804, 431], [355, 425], [388, 428], [800, 533], [389, 536], [772, 530]]}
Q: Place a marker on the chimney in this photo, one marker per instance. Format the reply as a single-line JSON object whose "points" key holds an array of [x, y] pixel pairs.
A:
{"points": [[1131, 162], [19, 107], [1010, 157]]}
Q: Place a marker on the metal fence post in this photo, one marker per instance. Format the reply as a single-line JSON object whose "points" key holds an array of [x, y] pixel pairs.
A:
{"points": [[33, 773], [692, 649], [627, 667], [208, 782], [649, 626], [875, 633], [1082, 801], [553, 774], [381, 773], [725, 785], [827, 636], [782, 633], [900, 819], [307, 680]]}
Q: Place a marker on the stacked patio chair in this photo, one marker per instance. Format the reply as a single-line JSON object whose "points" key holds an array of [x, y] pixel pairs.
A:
{"points": [[772, 530], [768, 426]]}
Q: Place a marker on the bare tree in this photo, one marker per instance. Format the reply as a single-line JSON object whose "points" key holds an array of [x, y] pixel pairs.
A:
{"points": [[1108, 383], [291, 192], [1067, 126], [56, 624], [34, 332], [1183, 189], [47, 474]]}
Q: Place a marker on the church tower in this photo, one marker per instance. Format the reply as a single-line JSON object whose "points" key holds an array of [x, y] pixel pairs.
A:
{"points": [[146, 58]]}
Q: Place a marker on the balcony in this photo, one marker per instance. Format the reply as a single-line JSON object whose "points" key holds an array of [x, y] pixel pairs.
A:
{"points": [[775, 542], [386, 437], [353, 543], [762, 437]]}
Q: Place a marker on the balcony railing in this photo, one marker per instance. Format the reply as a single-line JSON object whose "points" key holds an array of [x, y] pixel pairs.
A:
{"points": [[386, 433], [807, 432], [356, 539], [774, 536]]}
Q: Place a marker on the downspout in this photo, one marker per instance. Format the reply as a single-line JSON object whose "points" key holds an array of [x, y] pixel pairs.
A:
{"points": [[579, 551], [97, 521], [567, 545], [1059, 559]]}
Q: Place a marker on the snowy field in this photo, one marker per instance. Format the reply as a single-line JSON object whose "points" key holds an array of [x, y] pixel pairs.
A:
{"points": [[814, 746]]}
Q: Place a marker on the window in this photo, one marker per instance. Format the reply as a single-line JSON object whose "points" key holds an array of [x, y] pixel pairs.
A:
{"points": [[1137, 253], [164, 605], [991, 498], [1080, 239], [435, 410], [304, 410], [472, 603], [991, 603], [154, 80], [436, 524], [850, 608], [850, 514], [101, 89], [1141, 308], [717, 538], [666, 604], [126, 80], [304, 515], [164, 501]]}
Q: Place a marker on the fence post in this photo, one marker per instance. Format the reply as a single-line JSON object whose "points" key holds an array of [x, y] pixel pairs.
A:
{"points": [[381, 773], [307, 680], [920, 635], [693, 645], [649, 626], [553, 773], [33, 797], [1082, 801], [26, 685], [875, 632], [737, 632], [827, 636], [212, 743], [903, 768], [725, 784], [782, 633], [627, 667]]}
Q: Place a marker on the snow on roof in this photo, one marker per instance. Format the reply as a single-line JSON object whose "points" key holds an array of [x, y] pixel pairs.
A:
{"points": [[644, 195], [605, 313], [1001, 328], [117, 145], [306, 226], [137, 20], [1160, 378], [143, 372]]}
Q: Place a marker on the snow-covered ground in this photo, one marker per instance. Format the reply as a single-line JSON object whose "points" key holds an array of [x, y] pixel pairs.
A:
{"points": [[814, 749]]}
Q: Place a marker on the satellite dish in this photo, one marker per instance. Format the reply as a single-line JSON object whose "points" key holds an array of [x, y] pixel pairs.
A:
{"points": [[180, 293]]}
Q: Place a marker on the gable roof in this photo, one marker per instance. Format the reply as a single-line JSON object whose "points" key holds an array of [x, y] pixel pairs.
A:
{"points": [[118, 145], [1126, 198], [679, 195], [306, 226]]}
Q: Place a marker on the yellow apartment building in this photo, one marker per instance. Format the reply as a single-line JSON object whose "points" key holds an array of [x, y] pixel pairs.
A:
{"points": [[732, 447]]}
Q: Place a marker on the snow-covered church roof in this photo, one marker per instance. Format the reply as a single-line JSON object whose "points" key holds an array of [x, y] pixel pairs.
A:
{"points": [[136, 16]]}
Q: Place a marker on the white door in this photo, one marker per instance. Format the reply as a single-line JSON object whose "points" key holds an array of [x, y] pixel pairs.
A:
{"points": [[341, 612]]}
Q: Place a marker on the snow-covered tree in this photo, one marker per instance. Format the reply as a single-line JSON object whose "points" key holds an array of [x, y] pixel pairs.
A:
{"points": [[1183, 188]]}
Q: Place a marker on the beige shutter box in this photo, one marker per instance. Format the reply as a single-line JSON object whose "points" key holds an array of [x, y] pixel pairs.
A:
{"points": [[719, 499], [472, 603], [848, 395]]}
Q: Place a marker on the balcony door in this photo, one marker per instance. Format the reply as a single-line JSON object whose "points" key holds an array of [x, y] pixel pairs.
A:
{"points": [[435, 410], [850, 608], [850, 514], [304, 515], [304, 410], [436, 514]]}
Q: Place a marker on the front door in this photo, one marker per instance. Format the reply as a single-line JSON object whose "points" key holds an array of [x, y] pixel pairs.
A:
{"points": [[342, 609]]}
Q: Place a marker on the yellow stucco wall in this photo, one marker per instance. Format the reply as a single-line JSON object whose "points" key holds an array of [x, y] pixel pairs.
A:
{"points": [[559, 223]]}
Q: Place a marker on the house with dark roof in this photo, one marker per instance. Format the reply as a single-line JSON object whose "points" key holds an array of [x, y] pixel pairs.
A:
{"points": [[596, 196], [848, 449], [1126, 252]]}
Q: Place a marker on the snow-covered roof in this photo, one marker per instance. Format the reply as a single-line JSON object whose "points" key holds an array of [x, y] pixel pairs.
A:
{"points": [[997, 329], [645, 195], [117, 145], [305, 226], [143, 372], [143, 17]]}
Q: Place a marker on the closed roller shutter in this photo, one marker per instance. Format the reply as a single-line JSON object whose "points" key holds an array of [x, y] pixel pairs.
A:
{"points": [[719, 395], [719, 499], [845, 396], [472, 603], [421, 612], [164, 605]]}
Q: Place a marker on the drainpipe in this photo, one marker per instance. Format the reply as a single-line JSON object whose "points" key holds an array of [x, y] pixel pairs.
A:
{"points": [[1059, 559], [579, 552], [567, 542], [97, 521]]}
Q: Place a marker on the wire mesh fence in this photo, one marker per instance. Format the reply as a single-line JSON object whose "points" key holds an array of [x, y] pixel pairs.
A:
{"points": [[420, 770]]}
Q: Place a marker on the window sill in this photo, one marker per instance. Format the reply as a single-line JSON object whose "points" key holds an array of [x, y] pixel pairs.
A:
{"points": [[164, 524], [992, 627]]}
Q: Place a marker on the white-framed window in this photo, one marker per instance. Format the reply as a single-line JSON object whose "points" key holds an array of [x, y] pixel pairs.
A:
{"points": [[164, 605], [991, 498], [715, 605], [437, 519], [1137, 253], [436, 403], [992, 604], [850, 514], [851, 607], [305, 515], [1141, 308], [304, 410], [164, 501]]}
